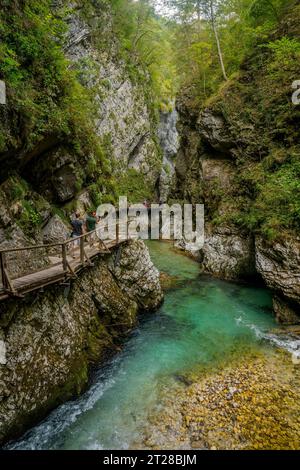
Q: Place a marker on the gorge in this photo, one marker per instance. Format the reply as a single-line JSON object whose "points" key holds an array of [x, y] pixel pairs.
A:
{"points": [[96, 108], [204, 358]]}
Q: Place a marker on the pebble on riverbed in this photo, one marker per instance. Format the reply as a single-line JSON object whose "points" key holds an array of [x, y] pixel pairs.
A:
{"points": [[252, 404]]}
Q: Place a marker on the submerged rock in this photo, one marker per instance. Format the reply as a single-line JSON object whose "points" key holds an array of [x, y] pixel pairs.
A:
{"points": [[263, 414]]}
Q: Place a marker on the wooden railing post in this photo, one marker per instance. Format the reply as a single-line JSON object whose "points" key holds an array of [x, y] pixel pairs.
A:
{"points": [[7, 284], [2, 263], [82, 250], [64, 257]]}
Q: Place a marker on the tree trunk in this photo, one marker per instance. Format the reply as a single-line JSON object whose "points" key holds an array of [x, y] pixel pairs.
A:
{"points": [[213, 22]]}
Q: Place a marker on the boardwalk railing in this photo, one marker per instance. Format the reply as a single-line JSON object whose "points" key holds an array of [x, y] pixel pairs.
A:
{"points": [[59, 261], [22, 271]]}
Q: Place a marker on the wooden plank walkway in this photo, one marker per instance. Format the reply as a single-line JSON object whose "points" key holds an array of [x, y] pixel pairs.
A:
{"points": [[62, 267]]}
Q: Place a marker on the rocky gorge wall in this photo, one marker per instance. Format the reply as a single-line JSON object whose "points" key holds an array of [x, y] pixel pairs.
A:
{"points": [[239, 155], [121, 114], [169, 142], [49, 341], [208, 172], [46, 173]]}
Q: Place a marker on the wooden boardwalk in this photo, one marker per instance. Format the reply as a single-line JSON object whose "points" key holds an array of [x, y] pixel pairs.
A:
{"points": [[70, 257]]}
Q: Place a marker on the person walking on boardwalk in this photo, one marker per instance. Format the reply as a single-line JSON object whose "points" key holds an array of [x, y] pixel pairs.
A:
{"points": [[77, 226]]}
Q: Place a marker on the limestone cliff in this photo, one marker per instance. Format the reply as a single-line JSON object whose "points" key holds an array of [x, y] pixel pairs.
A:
{"points": [[122, 120], [231, 251], [73, 143], [239, 155], [169, 142], [60, 149]]}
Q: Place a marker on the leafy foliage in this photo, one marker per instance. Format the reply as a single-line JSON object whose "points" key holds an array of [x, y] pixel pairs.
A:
{"points": [[241, 25], [260, 45], [44, 91], [147, 45]]}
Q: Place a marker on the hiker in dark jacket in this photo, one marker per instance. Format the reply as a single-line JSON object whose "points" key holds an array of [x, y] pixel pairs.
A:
{"points": [[77, 226]]}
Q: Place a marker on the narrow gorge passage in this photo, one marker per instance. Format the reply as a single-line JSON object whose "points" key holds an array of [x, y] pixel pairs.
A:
{"points": [[143, 397]]}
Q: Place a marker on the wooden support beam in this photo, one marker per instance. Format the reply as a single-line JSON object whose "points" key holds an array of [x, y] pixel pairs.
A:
{"points": [[14, 293], [6, 281], [2, 264], [102, 245], [71, 270], [64, 257], [118, 233], [87, 258], [82, 250]]}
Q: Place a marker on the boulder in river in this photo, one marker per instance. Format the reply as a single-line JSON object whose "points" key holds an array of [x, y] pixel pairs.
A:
{"points": [[134, 271], [229, 254]]}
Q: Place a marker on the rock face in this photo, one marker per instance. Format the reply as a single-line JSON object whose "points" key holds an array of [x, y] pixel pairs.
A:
{"points": [[228, 252], [26, 219], [134, 270], [214, 131], [169, 142], [279, 265], [122, 123], [188, 171], [207, 177], [122, 118], [229, 255], [54, 175], [48, 341], [2, 92], [20, 263], [286, 311], [55, 231], [2, 353], [207, 171]]}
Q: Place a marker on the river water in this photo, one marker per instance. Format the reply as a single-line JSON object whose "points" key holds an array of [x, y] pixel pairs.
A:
{"points": [[202, 323]]}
